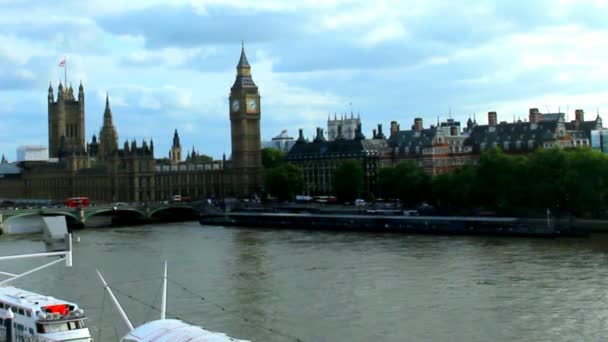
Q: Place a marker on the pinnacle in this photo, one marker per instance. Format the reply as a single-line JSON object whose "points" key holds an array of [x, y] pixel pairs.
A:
{"points": [[243, 62]]}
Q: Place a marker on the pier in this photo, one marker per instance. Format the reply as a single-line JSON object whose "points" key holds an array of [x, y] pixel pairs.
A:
{"points": [[458, 225]]}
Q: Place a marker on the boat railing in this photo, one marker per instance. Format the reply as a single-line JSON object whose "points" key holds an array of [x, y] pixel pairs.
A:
{"points": [[22, 337]]}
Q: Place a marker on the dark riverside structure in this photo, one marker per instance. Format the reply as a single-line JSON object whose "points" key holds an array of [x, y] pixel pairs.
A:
{"points": [[501, 226]]}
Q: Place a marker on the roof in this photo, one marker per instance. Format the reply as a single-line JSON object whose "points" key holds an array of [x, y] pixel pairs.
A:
{"points": [[9, 169], [524, 132], [28, 300], [336, 149], [243, 81], [585, 126], [172, 330], [412, 139]]}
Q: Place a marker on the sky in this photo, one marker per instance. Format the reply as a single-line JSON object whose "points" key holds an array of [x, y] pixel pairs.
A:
{"points": [[170, 64]]}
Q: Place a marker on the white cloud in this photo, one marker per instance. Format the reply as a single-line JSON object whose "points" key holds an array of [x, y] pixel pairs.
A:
{"points": [[549, 53]]}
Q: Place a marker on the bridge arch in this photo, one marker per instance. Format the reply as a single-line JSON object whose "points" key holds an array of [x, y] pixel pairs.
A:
{"points": [[175, 212], [115, 212]]}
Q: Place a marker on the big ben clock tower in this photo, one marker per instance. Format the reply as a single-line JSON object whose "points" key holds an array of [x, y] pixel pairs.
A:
{"points": [[245, 131]]}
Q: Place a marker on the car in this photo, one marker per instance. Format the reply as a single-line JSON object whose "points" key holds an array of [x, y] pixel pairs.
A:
{"points": [[360, 202]]}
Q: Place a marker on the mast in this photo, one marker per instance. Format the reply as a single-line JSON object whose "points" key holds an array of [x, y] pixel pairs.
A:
{"points": [[163, 305], [116, 303]]}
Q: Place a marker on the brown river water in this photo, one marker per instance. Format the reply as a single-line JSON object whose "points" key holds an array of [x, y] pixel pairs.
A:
{"points": [[272, 285]]}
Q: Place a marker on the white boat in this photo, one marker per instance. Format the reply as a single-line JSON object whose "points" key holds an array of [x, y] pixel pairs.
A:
{"points": [[163, 329], [29, 316], [26, 316]]}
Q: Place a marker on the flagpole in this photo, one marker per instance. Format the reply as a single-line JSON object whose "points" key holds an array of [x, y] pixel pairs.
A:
{"points": [[65, 71]]}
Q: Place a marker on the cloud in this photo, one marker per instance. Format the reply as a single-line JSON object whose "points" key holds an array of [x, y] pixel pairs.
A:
{"points": [[170, 64]]}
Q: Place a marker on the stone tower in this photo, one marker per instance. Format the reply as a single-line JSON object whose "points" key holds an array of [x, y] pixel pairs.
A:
{"points": [[245, 131], [176, 150], [66, 121], [108, 139]]}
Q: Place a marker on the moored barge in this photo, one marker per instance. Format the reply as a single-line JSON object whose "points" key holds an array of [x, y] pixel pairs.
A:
{"points": [[461, 225]]}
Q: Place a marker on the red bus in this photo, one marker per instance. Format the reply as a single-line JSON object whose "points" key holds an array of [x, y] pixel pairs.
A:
{"points": [[77, 202]]}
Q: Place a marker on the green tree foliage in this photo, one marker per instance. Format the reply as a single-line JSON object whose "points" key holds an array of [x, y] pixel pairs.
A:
{"points": [[564, 181], [348, 180], [284, 181], [272, 157], [406, 181]]}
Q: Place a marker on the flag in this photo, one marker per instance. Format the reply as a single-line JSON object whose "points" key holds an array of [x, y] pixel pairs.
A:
{"points": [[62, 62]]}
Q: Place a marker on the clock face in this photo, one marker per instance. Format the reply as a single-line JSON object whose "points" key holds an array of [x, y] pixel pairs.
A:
{"points": [[252, 105], [235, 105]]}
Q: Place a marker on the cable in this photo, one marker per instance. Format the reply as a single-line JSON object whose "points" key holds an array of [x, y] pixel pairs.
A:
{"points": [[247, 320]]}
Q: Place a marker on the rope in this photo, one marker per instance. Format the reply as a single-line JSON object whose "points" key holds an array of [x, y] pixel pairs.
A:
{"points": [[245, 319], [158, 309]]}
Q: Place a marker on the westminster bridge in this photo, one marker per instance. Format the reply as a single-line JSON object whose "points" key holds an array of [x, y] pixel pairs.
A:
{"points": [[119, 213]]}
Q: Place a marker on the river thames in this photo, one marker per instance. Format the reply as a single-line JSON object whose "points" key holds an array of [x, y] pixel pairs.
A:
{"points": [[271, 285]]}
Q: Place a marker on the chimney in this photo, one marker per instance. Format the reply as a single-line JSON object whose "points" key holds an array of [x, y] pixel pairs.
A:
{"points": [[453, 130], [380, 135], [301, 136], [319, 137], [535, 115], [492, 118], [418, 124], [374, 135], [394, 128], [579, 115]]}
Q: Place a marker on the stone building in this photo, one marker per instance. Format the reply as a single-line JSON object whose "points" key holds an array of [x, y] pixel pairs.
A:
{"points": [[345, 125], [319, 159], [436, 149], [104, 171], [540, 131]]}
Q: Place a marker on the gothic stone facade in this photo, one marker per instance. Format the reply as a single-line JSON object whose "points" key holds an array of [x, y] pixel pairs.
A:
{"points": [[104, 172]]}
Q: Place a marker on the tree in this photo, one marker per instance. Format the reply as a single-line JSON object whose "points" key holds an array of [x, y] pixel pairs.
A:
{"points": [[272, 157], [405, 181], [348, 180], [413, 184], [284, 181]]}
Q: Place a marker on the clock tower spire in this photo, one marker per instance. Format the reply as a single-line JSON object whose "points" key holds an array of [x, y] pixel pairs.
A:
{"points": [[245, 115]]}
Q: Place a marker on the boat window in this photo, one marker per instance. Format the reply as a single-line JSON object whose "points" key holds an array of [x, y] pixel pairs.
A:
{"points": [[1, 321], [40, 328], [22, 312], [56, 327], [31, 331], [1, 305], [28, 313]]}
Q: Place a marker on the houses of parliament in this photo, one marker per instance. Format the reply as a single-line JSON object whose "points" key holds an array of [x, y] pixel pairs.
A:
{"points": [[105, 170]]}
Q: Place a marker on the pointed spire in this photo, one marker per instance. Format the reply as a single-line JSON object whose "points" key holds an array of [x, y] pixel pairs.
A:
{"points": [[3, 161], [80, 87], [176, 142], [243, 62], [50, 87], [151, 145], [107, 114]]}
